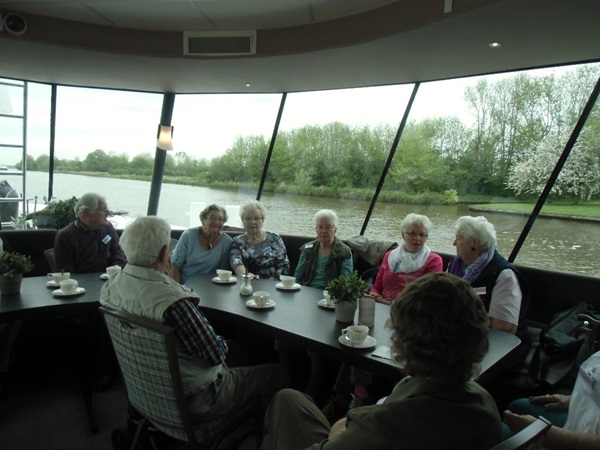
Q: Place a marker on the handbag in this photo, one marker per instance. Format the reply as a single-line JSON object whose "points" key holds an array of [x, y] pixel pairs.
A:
{"points": [[561, 349]]}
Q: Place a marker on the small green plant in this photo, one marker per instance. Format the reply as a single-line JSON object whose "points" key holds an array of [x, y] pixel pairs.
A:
{"points": [[346, 288], [13, 263]]}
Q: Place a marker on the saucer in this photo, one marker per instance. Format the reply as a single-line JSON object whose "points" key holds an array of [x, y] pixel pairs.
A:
{"points": [[52, 284], [60, 293], [252, 304], [369, 342], [104, 276], [230, 281], [295, 287], [323, 303]]}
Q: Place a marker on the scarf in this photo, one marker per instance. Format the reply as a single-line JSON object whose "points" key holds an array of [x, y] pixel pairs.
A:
{"points": [[472, 272], [403, 261]]}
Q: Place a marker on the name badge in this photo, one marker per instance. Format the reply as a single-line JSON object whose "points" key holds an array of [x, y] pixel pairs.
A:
{"points": [[266, 250], [480, 290], [106, 239], [309, 245]]}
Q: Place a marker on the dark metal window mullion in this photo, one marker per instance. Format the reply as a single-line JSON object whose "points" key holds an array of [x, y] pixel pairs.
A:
{"points": [[271, 146]]}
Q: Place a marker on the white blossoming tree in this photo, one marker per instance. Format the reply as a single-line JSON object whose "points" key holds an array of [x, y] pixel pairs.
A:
{"points": [[579, 178]]}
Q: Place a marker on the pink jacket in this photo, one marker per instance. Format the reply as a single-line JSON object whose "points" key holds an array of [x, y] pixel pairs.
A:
{"points": [[389, 284]]}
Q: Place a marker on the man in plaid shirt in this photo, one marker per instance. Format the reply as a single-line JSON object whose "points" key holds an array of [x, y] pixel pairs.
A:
{"points": [[217, 395]]}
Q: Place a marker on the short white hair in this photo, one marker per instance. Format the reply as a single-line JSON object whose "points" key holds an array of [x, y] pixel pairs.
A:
{"points": [[412, 219], [326, 214], [89, 202], [477, 228], [143, 240], [253, 205]]}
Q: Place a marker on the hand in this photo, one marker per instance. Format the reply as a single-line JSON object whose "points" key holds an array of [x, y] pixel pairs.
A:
{"points": [[516, 422], [378, 298], [552, 401], [338, 428]]}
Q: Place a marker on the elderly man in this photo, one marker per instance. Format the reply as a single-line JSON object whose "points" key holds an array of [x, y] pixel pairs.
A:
{"points": [[90, 243], [217, 395]]}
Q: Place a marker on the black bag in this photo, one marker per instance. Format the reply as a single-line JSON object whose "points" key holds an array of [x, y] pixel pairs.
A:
{"points": [[561, 349]]}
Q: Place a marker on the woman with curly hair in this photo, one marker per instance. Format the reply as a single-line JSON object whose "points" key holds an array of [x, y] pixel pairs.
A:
{"points": [[440, 333]]}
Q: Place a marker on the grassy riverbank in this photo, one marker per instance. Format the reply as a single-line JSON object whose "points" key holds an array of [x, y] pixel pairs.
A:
{"points": [[589, 210]]}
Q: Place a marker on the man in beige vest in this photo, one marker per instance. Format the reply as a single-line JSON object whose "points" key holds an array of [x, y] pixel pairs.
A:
{"points": [[217, 395]]}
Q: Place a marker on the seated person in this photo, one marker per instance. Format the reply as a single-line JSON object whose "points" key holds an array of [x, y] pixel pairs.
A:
{"points": [[407, 262], [399, 266], [505, 291], [439, 332], [582, 428], [215, 393], [90, 243], [260, 253], [203, 249], [325, 258]]}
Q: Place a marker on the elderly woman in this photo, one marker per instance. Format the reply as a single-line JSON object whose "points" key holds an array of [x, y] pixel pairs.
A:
{"points": [[202, 249], [326, 257], [440, 331], [406, 263], [259, 253], [502, 288], [399, 267]]}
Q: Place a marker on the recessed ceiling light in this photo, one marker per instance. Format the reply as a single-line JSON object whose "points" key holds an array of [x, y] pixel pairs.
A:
{"points": [[494, 44], [248, 85]]}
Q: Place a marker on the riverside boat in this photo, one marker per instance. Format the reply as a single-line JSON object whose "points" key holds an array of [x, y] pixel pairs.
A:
{"points": [[170, 53]]}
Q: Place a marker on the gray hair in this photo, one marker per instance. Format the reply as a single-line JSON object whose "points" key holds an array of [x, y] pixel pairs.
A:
{"points": [[477, 228], [326, 214], [143, 240], [87, 201], [206, 211], [253, 205], [412, 219]]}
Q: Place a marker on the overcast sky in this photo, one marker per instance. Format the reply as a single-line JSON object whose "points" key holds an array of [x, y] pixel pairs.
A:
{"points": [[205, 126]]}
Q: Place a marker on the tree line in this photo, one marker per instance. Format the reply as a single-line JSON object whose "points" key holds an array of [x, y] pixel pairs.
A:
{"points": [[520, 126]]}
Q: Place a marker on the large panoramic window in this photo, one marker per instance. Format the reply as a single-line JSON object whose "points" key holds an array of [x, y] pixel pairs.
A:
{"points": [[330, 152], [220, 144], [486, 146]]}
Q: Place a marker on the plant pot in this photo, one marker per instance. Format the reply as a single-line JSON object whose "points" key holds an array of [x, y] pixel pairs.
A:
{"points": [[344, 311], [10, 285]]}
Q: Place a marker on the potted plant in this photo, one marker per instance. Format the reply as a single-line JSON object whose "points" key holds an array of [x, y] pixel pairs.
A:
{"points": [[57, 214], [345, 291], [12, 267]]}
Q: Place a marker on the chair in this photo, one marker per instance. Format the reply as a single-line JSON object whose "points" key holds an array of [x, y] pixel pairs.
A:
{"points": [[149, 363], [529, 438]]}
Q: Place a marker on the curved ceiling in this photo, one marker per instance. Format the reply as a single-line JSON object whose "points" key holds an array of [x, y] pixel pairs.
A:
{"points": [[300, 45]]}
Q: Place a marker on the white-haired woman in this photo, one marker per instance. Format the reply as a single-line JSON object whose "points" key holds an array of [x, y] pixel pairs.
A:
{"points": [[259, 253], [202, 249], [502, 288], [325, 258], [406, 263]]}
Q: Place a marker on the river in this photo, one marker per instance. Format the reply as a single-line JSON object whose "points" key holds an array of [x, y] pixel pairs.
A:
{"points": [[556, 244]]}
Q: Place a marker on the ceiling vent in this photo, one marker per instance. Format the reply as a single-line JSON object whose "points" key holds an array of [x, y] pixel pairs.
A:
{"points": [[455, 5], [219, 43]]}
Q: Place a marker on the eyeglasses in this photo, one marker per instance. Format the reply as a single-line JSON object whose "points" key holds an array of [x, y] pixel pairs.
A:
{"points": [[413, 235], [102, 210], [216, 219], [252, 219], [325, 227]]}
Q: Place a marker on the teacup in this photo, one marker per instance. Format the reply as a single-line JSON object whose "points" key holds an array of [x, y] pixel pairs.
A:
{"points": [[113, 270], [328, 299], [356, 334], [261, 298], [287, 281], [69, 286], [224, 275], [57, 277]]}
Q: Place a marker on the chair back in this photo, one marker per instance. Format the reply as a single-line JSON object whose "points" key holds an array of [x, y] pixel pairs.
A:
{"points": [[49, 254], [146, 352], [529, 438]]}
